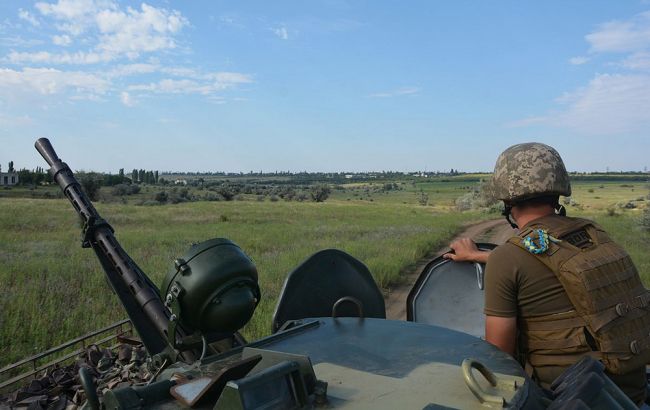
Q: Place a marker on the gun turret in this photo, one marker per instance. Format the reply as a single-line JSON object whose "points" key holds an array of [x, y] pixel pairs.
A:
{"points": [[139, 296]]}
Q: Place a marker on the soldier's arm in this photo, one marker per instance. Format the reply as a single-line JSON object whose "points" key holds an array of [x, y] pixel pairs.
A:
{"points": [[465, 250], [501, 332]]}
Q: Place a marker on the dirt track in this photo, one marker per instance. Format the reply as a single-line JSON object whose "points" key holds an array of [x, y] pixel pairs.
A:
{"points": [[495, 231]]}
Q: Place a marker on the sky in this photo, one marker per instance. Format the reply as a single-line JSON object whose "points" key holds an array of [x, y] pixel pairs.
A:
{"points": [[329, 85]]}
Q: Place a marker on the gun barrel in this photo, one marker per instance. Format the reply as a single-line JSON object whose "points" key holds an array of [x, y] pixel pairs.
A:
{"points": [[138, 294], [46, 150]]}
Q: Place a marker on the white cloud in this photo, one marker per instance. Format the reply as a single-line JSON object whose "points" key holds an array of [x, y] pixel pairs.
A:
{"points": [[281, 32], [227, 78], [579, 60], [114, 31], [207, 84], [397, 92], [126, 99], [637, 61], [74, 16], [611, 104], [44, 57], [170, 86], [622, 36], [62, 40], [49, 81], [133, 69], [27, 16], [16, 41], [133, 32]]}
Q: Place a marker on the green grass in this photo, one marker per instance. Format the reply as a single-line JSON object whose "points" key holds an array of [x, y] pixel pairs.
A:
{"points": [[55, 290]]}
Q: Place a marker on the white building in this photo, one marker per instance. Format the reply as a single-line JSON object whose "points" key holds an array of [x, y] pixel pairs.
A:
{"points": [[8, 178]]}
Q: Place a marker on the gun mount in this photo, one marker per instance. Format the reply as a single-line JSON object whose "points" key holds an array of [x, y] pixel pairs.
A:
{"points": [[210, 294]]}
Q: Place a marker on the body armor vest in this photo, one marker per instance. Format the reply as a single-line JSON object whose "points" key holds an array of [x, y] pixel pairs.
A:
{"points": [[611, 319]]}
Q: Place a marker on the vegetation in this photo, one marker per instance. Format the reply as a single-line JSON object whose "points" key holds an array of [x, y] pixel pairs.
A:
{"points": [[56, 290]]}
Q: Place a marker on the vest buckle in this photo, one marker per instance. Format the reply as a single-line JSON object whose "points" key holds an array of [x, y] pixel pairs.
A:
{"points": [[622, 309]]}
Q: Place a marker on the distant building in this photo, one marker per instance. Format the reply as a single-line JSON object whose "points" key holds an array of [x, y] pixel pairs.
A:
{"points": [[8, 178], [180, 182]]}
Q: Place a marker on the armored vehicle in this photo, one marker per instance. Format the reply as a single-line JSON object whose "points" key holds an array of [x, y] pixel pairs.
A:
{"points": [[331, 346]]}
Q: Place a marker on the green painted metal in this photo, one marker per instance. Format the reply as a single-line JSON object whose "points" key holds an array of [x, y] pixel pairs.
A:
{"points": [[215, 285]]}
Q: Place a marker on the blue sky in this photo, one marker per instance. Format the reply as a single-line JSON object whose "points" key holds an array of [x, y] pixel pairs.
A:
{"points": [[329, 85]]}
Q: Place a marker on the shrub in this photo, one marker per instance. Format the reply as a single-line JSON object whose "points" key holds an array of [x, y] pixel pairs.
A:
{"points": [[211, 196], [320, 193], [274, 198], [161, 197], [125, 189]]}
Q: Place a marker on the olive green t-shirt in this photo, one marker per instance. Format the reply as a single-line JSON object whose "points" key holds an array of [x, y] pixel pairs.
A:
{"points": [[517, 284]]}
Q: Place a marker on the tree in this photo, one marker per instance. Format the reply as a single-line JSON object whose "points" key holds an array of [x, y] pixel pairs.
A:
{"points": [[91, 183], [155, 177], [11, 167], [134, 176]]}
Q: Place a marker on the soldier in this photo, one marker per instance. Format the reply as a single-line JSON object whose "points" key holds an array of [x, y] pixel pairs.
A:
{"points": [[561, 288]]}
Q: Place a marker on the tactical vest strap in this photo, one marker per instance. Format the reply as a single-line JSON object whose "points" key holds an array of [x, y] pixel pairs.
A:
{"points": [[639, 338], [566, 320], [575, 341]]}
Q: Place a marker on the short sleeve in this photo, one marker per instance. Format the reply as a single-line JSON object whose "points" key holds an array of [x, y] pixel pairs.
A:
{"points": [[501, 283]]}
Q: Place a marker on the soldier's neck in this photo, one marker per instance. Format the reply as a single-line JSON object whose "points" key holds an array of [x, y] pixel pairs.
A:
{"points": [[530, 213]]}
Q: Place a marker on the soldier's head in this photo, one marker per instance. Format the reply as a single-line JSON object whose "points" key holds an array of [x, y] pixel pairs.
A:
{"points": [[530, 175]]}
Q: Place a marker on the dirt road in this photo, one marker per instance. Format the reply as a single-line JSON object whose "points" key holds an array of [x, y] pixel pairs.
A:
{"points": [[495, 231]]}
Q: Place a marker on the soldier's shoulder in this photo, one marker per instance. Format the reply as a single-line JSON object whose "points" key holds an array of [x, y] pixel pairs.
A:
{"points": [[505, 252]]}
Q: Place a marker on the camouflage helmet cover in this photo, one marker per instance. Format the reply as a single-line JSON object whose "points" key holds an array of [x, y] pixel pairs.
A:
{"points": [[530, 170]]}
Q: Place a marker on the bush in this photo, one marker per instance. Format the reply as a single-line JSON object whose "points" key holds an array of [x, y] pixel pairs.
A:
{"points": [[125, 189], [161, 197], [211, 196], [274, 198], [320, 193], [483, 197]]}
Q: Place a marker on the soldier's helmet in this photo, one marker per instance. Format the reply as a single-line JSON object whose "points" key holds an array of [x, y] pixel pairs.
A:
{"points": [[529, 170]]}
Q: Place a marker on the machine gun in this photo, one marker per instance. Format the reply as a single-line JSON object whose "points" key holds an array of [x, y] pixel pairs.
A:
{"points": [[139, 296], [211, 292]]}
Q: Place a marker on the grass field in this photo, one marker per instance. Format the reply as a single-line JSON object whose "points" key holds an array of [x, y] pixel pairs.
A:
{"points": [[55, 290]]}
